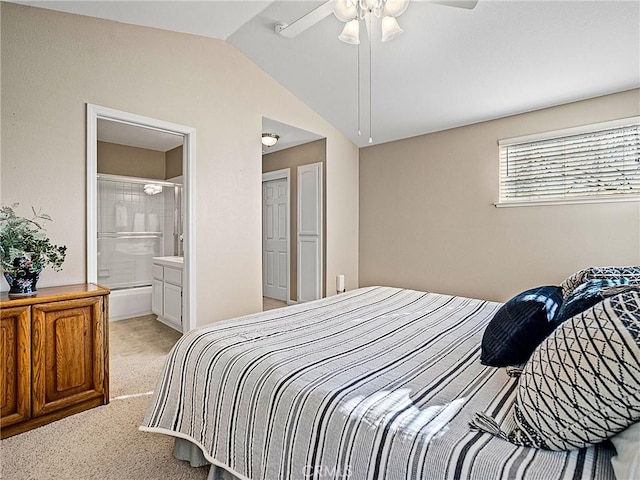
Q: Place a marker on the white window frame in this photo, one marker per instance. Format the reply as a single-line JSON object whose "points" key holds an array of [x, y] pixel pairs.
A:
{"points": [[593, 198]]}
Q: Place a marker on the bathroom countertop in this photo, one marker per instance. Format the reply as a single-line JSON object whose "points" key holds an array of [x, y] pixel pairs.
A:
{"points": [[170, 261]]}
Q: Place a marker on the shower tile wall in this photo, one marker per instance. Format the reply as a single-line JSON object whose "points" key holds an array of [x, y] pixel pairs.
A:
{"points": [[131, 228]]}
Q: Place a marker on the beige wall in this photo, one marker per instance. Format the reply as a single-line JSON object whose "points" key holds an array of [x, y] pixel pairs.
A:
{"points": [[129, 161], [0, 100], [116, 159], [427, 219], [292, 158], [173, 162], [54, 63]]}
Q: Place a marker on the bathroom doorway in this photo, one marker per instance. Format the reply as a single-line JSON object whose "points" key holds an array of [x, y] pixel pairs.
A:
{"points": [[136, 213], [139, 219]]}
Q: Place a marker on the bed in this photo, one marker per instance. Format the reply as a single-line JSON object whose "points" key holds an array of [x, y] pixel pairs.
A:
{"points": [[376, 383]]}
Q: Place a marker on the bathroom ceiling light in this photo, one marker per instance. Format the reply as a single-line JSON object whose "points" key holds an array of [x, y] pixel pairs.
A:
{"points": [[270, 139], [152, 189]]}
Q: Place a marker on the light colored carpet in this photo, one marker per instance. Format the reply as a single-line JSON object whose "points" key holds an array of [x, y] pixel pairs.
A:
{"points": [[271, 303], [104, 443]]}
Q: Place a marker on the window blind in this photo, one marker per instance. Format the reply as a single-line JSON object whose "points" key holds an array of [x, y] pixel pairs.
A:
{"points": [[600, 163]]}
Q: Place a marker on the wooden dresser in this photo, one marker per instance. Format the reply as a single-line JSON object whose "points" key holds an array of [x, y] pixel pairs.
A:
{"points": [[54, 355]]}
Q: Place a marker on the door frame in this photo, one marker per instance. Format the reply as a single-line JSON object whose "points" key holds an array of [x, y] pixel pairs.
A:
{"points": [[285, 174], [96, 112]]}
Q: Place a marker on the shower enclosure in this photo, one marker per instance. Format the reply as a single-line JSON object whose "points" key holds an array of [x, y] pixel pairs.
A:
{"points": [[138, 219]]}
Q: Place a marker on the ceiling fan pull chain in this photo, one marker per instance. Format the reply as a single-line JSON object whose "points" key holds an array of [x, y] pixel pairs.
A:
{"points": [[359, 131], [370, 82]]}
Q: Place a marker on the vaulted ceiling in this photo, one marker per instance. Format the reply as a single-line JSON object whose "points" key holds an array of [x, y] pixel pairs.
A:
{"points": [[450, 67]]}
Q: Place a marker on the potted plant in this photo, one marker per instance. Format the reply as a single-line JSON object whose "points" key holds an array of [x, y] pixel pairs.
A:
{"points": [[25, 250]]}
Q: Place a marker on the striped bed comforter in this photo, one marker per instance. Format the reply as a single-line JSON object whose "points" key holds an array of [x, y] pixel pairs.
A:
{"points": [[377, 383]]}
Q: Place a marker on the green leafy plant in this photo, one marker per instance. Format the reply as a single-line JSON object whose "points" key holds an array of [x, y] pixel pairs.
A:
{"points": [[24, 245]]}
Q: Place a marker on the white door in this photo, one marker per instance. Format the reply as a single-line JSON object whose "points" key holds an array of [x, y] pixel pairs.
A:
{"points": [[309, 232], [275, 238]]}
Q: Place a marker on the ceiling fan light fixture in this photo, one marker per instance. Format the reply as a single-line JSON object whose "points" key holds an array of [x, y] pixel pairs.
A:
{"points": [[390, 29], [352, 11], [351, 32], [270, 139], [371, 5], [345, 10], [395, 8]]}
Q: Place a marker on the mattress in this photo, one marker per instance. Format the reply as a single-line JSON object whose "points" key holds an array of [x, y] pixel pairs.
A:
{"points": [[376, 383]]}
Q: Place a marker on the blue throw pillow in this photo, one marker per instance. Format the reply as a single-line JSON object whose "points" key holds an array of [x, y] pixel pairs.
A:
{"points": [[519, 326], [586, 295]]}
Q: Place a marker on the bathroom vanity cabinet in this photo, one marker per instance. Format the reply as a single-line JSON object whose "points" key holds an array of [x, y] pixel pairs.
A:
{"points": [[54, 359], [166, 300]]}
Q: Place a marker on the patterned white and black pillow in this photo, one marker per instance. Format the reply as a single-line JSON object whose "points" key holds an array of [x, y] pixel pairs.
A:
{"points": [[589, 293], [582, 384], [632, 273]]}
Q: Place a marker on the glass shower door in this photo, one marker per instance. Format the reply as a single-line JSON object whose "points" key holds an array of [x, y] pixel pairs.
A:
{"points": [[132, 215]]}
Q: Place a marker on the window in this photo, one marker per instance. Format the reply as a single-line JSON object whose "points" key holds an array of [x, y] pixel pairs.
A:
{"points": [[593, 163]]}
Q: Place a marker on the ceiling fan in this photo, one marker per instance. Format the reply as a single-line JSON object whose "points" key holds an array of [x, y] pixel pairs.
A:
{"points": [[350, 10]]}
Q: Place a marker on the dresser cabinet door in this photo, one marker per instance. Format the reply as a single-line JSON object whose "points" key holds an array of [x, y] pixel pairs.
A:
{"points": [[15, 365], [68, 361]]}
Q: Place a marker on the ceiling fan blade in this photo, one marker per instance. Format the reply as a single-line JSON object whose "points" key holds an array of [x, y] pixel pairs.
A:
{"points": [[307, 21], [468, 4]]}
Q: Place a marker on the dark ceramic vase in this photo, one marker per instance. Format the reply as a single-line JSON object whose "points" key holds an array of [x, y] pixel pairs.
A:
{"points": [[24, 284]]}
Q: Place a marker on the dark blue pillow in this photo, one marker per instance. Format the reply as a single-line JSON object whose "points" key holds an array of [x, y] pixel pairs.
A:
{"points": [[586, 295], [519, 326]]}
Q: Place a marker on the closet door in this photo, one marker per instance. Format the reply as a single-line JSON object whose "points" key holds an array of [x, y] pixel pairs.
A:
{"points": [[309, 232]]}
